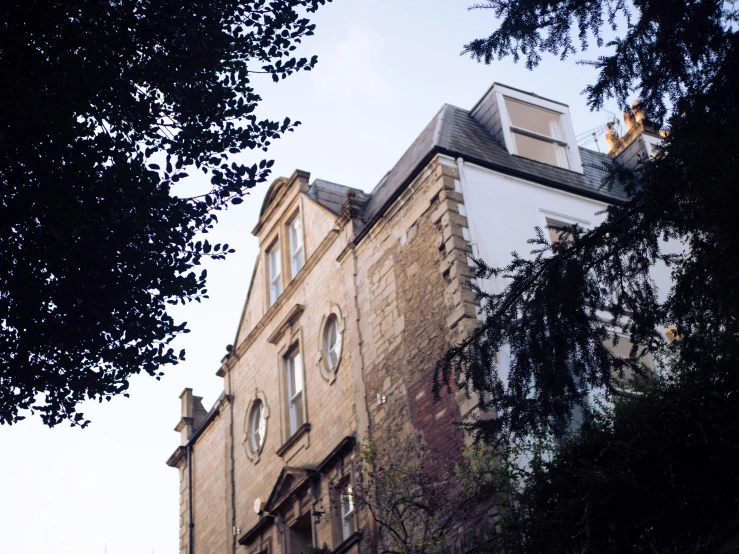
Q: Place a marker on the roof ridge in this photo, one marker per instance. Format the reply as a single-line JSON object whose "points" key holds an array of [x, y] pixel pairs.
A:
{"points": [[442, 121]]}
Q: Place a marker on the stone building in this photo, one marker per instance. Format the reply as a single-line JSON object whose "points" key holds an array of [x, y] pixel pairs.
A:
{"points": [[353, 299]]}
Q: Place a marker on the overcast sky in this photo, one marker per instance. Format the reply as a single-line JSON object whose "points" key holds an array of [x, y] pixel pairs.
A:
{"points": [[385, 68]]}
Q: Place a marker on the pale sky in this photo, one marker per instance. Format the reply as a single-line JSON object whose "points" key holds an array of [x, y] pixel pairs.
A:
{"points": [[385, 68]]}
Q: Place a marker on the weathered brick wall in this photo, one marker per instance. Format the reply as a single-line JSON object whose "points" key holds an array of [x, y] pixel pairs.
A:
{"points": [[413, 306]]}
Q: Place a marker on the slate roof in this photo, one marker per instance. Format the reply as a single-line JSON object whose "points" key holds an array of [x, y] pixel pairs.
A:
{"points": [[332, 195], [453, 131]]}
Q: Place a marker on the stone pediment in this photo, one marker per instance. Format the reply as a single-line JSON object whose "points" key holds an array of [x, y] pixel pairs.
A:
{"points": [[291, 480]]}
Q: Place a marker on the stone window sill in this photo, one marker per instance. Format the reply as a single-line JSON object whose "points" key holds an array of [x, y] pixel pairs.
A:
{"points": [[348, 543], [302, 430]]}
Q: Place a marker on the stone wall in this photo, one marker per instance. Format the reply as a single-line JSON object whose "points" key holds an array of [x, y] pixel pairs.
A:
{"points": [[414, 305], [400, 298], [323, 287], [212, 529]]}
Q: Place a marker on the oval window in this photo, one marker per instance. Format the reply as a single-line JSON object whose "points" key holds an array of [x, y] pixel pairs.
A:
{"points": [[332, 338], [257, 426]]}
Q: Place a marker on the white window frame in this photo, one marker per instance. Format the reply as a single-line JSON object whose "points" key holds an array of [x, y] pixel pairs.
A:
{"points": [[257, 427], [296, 245], [274, 278], [253, 452], [346, 510], [333, 321], [295, 398], [570, 142], [327, 370], [544, 215]]}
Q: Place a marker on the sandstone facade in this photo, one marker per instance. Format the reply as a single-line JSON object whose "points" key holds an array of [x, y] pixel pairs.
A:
{"points": [[383, 276]]}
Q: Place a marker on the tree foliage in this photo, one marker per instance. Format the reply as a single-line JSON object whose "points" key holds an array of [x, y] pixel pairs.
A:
{"points": [[662, 52], [648, 470], [418, 509], [559, 307], [656, 475], [106, 107]]}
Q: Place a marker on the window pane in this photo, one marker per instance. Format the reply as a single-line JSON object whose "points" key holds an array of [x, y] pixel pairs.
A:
{"points": [[297, 406], [275, 290], [297, 261], [274, 262], [296, 235], [262, 426], [290, 367], [555, 236], [333, 343], [294, 376], [296, 246], [347, 509], [331, 334], [275, 279], [300, 536], [258, 425], [298, 373], [541, 150], [535, 119]]}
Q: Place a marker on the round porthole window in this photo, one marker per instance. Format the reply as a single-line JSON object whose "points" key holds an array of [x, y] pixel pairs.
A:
{"points": [[332, 341], [257, 426]]}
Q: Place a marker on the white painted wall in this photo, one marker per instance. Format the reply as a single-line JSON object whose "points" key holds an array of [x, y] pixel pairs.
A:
{"points": [[502, 212]]}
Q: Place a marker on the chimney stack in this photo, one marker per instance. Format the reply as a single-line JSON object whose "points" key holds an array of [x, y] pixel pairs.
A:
{"points": [[636, 116], [193, 414], [612, 137]]}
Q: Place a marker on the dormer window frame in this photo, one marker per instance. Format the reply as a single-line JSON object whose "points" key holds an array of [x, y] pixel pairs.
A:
{"points": [[568, 142]]}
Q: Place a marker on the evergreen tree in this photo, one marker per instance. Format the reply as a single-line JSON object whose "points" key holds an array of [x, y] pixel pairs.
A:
{"points": [[658, 474], [682, 60], [649, 471], [106, 105]]}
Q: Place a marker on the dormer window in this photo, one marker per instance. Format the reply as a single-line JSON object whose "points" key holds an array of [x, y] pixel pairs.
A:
{"points": [[297, 257], [275, 272], [537, 133], [530, 126]]}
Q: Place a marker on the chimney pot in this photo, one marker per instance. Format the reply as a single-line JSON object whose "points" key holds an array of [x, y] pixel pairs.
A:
{"points": [[612, 137], [637, 108]]}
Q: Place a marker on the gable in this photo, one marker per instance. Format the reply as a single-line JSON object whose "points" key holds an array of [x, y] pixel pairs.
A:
{"points": [[290, 480], [252, 312]]}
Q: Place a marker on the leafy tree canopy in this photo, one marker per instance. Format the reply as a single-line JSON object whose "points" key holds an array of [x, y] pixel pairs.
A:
{"points": [[106, 105], [560, 305]]}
